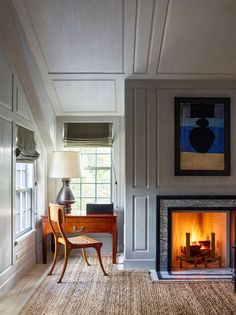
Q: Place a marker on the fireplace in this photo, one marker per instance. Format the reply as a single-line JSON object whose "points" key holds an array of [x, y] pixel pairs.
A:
{"points": [[195, 232], [199, 238]]}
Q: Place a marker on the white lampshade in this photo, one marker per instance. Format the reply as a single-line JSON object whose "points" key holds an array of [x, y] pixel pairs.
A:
{"points": [[65, 164]]}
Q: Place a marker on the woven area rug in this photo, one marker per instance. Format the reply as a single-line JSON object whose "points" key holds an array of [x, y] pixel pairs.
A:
{"points": [[85, 290]]}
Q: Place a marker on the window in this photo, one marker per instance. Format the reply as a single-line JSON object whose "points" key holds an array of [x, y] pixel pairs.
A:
{"points": [[24, 197], [96, 184]]}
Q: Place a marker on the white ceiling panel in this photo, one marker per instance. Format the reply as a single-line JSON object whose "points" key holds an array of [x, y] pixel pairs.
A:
{"points": [[199, 37], [86, 95], [79, 36], [85, 49]]}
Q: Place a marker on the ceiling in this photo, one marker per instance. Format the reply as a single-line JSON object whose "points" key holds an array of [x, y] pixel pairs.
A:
{"points": [[85, 49]]}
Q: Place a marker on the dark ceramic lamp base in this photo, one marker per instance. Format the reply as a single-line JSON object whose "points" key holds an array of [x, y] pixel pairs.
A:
{"points": [[65, 196]]}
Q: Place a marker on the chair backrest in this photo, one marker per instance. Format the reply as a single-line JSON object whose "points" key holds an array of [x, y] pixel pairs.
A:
{"points": [[56, 213], [92, 208]]}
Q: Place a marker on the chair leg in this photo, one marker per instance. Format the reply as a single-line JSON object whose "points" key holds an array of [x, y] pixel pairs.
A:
{"points": [[85, 257], [98, 249], [66, 256], [57, 245]]}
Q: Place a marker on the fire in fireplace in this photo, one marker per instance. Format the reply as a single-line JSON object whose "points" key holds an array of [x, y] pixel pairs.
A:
{"points": [[199, 239]]}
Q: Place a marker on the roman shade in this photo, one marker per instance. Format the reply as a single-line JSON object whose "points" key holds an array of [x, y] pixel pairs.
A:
{"points": [[25, 145], [88, 135]]}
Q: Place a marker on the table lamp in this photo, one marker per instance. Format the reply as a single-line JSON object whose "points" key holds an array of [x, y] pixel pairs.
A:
{"points": [[65, 165]]}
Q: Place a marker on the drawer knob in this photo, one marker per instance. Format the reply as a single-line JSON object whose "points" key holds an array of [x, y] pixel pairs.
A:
{"points": [[78, 229]]}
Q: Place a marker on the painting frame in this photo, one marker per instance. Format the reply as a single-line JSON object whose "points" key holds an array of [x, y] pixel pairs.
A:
{"points": [[202, 136]]}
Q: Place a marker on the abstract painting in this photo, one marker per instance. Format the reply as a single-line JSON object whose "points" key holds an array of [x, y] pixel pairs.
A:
{"points": [[202, 136]]}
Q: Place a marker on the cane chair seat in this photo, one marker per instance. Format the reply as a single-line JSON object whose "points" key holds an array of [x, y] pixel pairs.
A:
{"points": [[83, 240]]}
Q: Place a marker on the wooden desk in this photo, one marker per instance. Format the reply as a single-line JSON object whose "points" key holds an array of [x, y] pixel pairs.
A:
{"points": [[92, 223]]}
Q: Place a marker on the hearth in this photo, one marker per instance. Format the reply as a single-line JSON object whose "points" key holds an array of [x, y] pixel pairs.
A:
{"points": [[195, 232]]}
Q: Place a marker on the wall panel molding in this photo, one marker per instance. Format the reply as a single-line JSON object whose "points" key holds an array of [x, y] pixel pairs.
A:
{"points": [[140, 137], [140, 223]]}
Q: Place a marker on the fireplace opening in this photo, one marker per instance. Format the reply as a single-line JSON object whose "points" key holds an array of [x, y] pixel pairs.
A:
{"points": [[200, 239]]}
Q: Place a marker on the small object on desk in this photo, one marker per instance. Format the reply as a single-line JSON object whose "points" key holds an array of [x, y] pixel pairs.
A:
{"points": [[99, 208]]}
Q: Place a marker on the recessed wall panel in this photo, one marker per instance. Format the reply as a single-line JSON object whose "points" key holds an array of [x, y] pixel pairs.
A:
{"points": [[198, 38], [22, 104], [86, 95], [79, 35], [5, 82], [140, 143], [5, 194], [140, 219]]}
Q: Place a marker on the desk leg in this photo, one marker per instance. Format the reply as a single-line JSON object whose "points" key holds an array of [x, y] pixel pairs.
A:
{"points": [[114, 245], [44, 247]]}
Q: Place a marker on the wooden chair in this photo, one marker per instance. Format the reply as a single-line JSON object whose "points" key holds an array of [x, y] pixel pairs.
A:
{"points": [[56, 213]]}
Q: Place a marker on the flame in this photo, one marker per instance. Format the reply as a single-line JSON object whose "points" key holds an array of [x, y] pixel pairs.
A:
{"points": [[196, 235]]}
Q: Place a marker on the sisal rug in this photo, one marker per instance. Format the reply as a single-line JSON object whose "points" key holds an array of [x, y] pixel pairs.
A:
{"points": [[85, 290]]}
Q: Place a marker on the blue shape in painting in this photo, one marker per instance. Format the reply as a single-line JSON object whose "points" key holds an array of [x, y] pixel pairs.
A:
{"points": [[217, 145]]}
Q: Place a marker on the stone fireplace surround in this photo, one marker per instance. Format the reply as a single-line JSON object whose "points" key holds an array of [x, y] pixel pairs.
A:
{"points": [[165, 204]]}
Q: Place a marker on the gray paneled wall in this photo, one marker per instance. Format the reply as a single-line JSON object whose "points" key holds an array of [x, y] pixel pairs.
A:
{"points": [[149, 133], [15, 257], [6, 259]]}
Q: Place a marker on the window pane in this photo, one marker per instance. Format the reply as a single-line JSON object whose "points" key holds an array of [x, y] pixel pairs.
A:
{"points": [[104, 150], [29, 218], [88, 150], [18, 202], [76, 189], [88, 176], [103, 200], [17, 223], [29, 200], [88, 160], [76, 205], [23, 220], [103, 160], [88, 190], [103, 190], [75, 181], [103, 176], [85, 201]]}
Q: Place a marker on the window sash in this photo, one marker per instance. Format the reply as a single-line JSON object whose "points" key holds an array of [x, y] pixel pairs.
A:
{"points": [[94, 197], [24, 198], [23, 211]]}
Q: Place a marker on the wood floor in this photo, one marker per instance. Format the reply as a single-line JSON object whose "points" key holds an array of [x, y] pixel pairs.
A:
{"points": [[19, 295]]}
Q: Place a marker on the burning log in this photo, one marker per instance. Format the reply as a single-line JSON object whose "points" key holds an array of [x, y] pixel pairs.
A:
{"points": [[213, 245], [201, 252]]}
